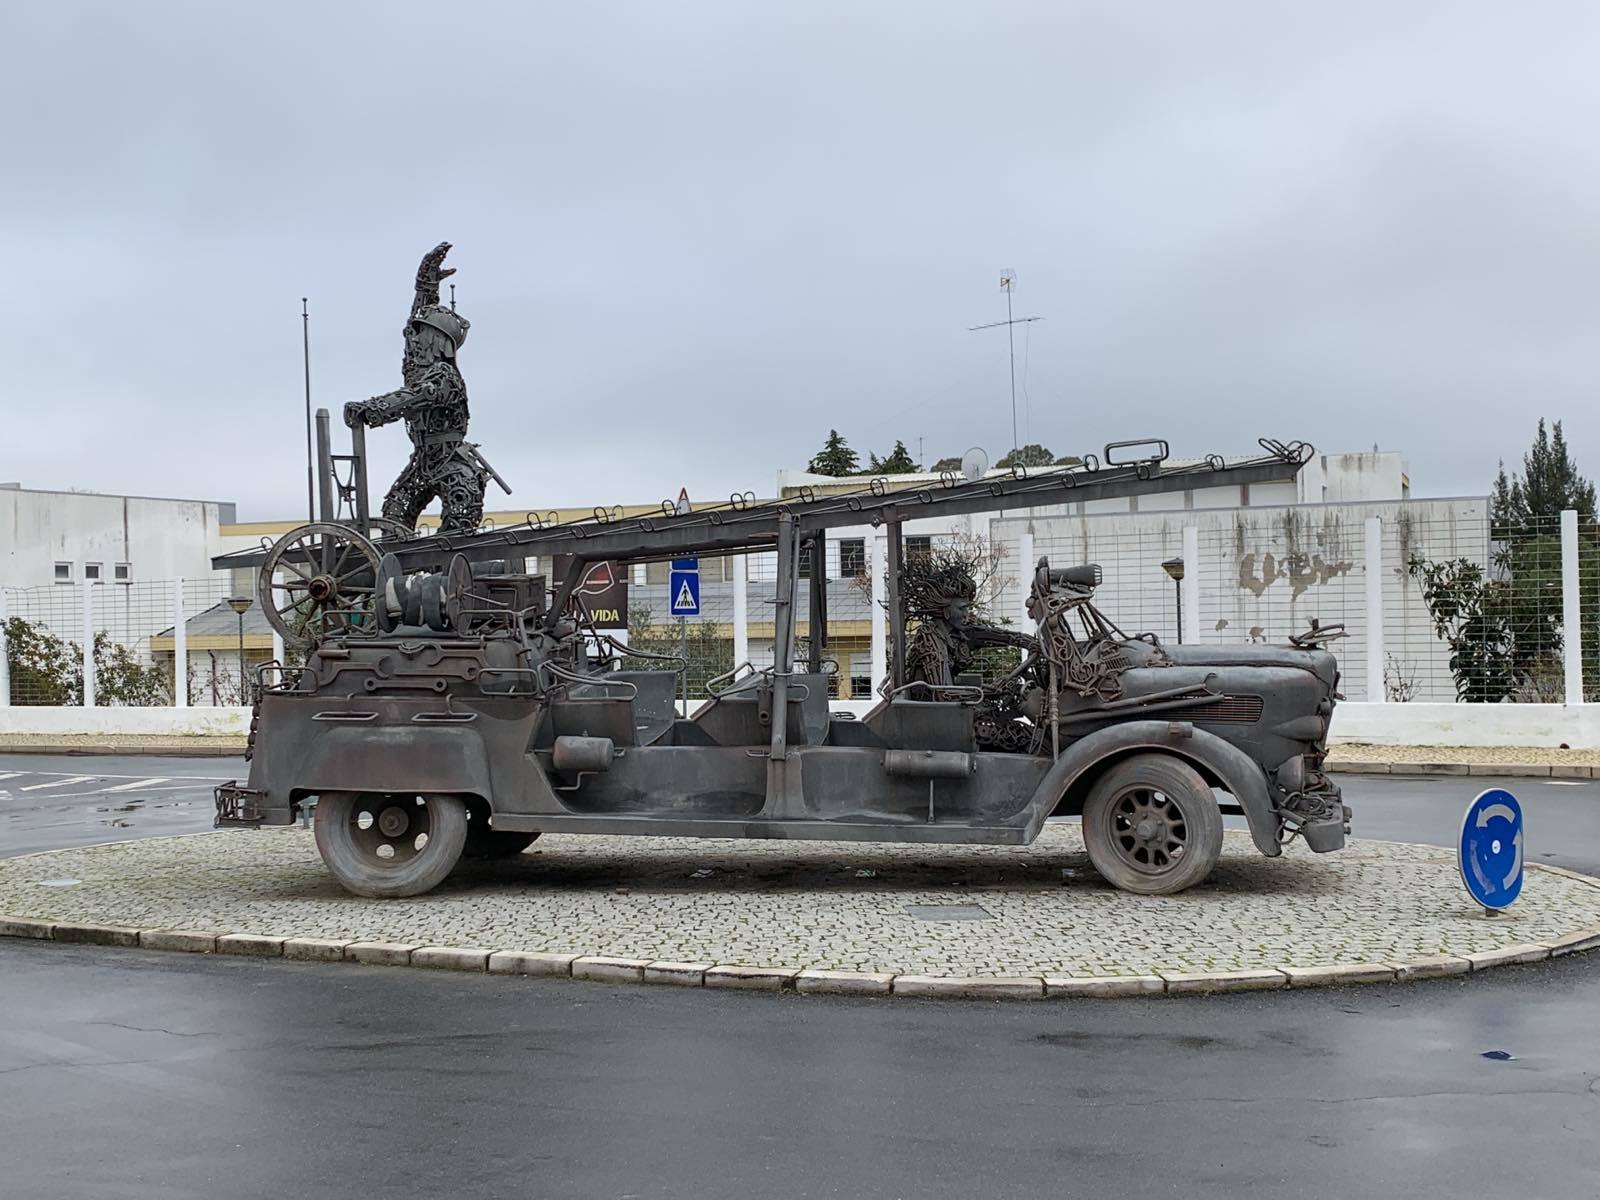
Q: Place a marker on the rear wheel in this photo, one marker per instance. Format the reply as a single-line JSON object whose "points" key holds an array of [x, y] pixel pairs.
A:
{"points": [[1151, 825], [389, 844]]}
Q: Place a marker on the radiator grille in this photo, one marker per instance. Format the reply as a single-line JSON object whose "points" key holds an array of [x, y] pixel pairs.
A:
{"points": [[1232, 710]]}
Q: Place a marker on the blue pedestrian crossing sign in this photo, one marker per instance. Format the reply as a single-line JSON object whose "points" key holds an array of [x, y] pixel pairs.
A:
{"points": [[683, 587], [1491, 848]]}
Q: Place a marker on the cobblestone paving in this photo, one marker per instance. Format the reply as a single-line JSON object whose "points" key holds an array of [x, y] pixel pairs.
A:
{"points": [[819, 904]]}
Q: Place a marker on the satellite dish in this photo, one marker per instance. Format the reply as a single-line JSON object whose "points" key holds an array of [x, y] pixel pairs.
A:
{"points": [[974, 464]]}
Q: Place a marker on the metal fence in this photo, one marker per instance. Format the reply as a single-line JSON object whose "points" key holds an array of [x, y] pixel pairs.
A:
{"points": [[1437, 603]]}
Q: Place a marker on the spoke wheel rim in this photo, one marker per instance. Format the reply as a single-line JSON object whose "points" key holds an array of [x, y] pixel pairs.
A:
{"points": [[1147, 830], [312, 571]]}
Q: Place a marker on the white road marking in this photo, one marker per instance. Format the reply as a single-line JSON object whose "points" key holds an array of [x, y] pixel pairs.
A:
{"points": [[1565, 782], [11, 774], [106, 775], [34, 787], [136, 784]]}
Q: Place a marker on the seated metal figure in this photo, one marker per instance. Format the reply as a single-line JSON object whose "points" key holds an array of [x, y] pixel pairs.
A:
{"points": [[433, 404]]}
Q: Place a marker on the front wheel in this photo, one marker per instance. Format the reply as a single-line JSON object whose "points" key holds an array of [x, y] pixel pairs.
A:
{"points": [[1152, 826], [388, 844]]}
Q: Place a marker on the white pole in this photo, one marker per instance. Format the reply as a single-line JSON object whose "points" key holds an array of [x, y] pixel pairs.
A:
{"points": [[1372, 563], [1191, 579], [1025, 565], [741, 609], [180, 648], [5, 651], [277, 638], [1571, 619], [88, 644], [876, 557]]}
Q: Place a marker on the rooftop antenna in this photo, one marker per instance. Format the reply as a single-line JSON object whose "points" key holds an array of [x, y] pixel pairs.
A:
{"points": [[1008, 284], [305, 347], [452, 297]]}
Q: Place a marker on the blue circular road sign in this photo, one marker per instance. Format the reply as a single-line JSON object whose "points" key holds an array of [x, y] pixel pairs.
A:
{"points": [[1491, 848]]}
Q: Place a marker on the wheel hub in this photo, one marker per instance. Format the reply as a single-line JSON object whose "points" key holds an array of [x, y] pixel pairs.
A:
{"points": [[392, 822], [322, 588]]}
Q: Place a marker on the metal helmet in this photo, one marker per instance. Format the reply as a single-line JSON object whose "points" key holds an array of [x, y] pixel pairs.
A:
{"points": [[446, 321]]}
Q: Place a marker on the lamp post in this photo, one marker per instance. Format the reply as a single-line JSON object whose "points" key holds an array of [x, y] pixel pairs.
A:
{"points": [[241, 605], [1174, 568]]}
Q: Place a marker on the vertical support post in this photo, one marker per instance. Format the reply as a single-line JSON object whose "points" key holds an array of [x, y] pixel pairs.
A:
{"points": [[1025, 565], [741, 609], [358, 478], [1191, 576], [325, 471], [1372, 563], [180, 647], [88, 644], [5, 652], [782, 646], [1571, 617], [880, 640], [817, 610], [897, 613]]}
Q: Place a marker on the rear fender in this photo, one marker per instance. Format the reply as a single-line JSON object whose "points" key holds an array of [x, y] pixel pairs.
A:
{"points": [[1219, 762], [392, 759]]}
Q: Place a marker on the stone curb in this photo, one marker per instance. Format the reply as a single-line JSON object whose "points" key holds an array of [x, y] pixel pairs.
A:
{"points": [[233, 750], [605, 969], [1475, 770]]}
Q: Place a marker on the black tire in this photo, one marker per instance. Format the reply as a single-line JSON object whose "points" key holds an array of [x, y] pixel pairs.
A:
{"points": [[354, 828], [486, 843], [1152, 826]]}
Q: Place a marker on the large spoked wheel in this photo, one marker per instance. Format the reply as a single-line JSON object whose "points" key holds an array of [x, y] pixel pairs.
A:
{"points": [[318, 578], [1152, 826], [389, 844]]}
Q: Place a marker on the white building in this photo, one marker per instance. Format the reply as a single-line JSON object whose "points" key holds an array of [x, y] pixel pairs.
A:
{"points": [[50, 538]]}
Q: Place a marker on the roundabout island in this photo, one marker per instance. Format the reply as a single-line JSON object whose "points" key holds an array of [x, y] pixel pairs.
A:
{"points": [[1034, 922]]}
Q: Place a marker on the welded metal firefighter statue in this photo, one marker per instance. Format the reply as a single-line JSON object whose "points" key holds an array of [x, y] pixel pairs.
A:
{"points": [[433, 404]]}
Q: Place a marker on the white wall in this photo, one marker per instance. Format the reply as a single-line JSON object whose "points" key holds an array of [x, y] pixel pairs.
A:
{"points": [[160, 539]]}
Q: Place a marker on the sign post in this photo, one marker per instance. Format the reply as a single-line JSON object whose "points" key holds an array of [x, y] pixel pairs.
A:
{"points": [[683, 597], [1490, 855]]}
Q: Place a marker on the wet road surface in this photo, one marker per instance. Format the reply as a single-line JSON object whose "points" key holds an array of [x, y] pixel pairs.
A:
{"points": [[131, 1074]]}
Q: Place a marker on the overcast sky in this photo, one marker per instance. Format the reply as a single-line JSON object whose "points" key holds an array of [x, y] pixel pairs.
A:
{"points": [[691, 238]]}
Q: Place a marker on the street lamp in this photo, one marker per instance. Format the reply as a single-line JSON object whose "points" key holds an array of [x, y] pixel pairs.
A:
{"points": [[1174, 568], [240, 605]]}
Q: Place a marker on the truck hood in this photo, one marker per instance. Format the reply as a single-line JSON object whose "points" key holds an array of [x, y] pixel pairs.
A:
{"points": [[1321, 663]]}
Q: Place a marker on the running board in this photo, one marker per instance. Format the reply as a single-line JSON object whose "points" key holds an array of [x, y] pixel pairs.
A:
{"points": [[636, 825]]}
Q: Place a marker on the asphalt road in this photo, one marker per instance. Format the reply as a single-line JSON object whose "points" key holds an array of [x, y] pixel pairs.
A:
{"points": [[132, 1074]]}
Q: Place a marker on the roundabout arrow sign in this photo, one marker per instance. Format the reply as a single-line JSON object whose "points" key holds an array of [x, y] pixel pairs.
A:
{"points": [[1491, 848]]}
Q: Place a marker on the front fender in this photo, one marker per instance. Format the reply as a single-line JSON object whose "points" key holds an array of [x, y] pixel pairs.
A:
{"points": [[1234, 770]]}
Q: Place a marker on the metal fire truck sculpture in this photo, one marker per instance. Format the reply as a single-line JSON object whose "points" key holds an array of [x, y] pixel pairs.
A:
{"points": [[450, 706]]}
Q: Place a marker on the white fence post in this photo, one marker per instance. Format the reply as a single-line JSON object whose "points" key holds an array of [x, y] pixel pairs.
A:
{"points": [[1571, 618], [277, 638], [1191, 576], [1372, 563], [180, 648], [880, 637], [741, 610], [5, 652], [1025, 563], [88, 643]]}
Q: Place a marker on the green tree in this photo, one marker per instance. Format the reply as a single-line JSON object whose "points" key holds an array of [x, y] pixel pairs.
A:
{"points": [[1031, 455], [899, 462], [44, 668], [947, 464], [1549, 483], [835, 457]]}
